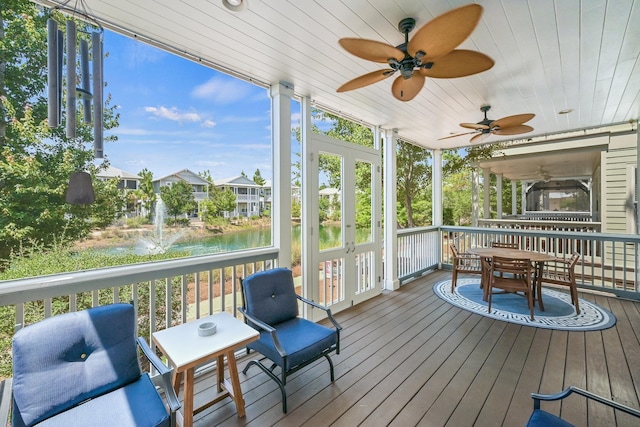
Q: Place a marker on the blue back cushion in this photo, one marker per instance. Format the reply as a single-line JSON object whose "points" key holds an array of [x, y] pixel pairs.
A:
{"points": [[270, 295], [67, 359]]}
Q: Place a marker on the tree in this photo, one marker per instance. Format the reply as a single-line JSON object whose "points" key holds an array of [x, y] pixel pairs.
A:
{"points": [[35, 160], [413, 176], [146, 191], [224, 200], [178, 198], [258, 179]]}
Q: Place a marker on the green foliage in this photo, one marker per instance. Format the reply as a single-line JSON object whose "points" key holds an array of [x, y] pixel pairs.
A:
{"points": [[413, 173], [224, 200], [136, 221], [178, 198], [258, 179], [146, 192], [36, 161]]}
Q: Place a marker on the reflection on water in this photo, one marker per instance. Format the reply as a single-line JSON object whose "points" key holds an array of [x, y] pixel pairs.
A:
{"points": [[330, 237]]}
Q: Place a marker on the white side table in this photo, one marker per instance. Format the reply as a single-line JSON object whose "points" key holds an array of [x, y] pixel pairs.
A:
{"points": [[185, 350]]}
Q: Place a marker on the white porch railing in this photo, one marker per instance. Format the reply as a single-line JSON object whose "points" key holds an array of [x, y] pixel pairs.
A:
{"points": [[418, 251], [608, 262], [547, 224], [165, 292]]}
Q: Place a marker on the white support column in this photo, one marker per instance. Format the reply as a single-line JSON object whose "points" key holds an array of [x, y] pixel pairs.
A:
{"points": [[514, 197], [475, 202], [310, 221], [436, 188], [499, 195], [486, 184], [637, 178], [523, 188], [281, 94], [391, 281]]}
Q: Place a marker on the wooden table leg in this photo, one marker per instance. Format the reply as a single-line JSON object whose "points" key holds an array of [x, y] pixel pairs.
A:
{"points": [[538, 284], [220, 372], [188, 398], [177, 380], [235, 383]]}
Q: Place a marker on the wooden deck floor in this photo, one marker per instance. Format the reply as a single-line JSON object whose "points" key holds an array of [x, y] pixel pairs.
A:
{"points": [[408, 358]]}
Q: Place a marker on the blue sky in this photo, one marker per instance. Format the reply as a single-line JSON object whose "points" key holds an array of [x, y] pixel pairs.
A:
{"points": [[176, 114]]}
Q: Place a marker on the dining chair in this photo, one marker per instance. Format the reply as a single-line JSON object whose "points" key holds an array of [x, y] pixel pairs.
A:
{"points": [[463, 263], [562, 272], [507, 245], [510, 275]]}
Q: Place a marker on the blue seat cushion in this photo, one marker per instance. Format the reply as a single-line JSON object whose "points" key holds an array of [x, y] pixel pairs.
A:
{"points": [[540, 418], [300, 338], [136, 405]]}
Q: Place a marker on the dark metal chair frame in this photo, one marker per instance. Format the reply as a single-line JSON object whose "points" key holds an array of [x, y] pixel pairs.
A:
{"points": [[550, 418], [273, 331]]}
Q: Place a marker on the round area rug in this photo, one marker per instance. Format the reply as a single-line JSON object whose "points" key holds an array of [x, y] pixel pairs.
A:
{"points": [[559, 312]]}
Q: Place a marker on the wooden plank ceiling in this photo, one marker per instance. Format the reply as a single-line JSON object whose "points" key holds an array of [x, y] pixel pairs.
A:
{"points": [[549, 56]]}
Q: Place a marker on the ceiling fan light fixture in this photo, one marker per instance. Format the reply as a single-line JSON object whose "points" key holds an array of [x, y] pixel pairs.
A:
{"points": [[235, 5]]}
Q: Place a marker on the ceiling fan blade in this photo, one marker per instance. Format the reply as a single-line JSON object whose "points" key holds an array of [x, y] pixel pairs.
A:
{"points": [[512, 130], [371, 50], [454, 136], [445, 32], [473, 126], [365, 80], [509, 121], [458, 63], [406, 89], [479, 138]]}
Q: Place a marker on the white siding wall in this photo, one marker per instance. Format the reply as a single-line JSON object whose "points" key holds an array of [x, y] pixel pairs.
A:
{"points": [[616, 185]]}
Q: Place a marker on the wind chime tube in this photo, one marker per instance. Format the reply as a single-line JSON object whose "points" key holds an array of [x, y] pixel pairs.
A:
{"points": [[86, 83], [71, 79], [96, 41], [52, 73], [59, 65]]}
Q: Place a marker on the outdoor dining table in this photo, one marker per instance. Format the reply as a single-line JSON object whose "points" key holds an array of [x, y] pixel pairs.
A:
{"points": [[537, 258]]}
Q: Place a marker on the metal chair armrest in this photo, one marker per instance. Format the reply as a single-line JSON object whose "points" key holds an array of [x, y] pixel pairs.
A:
{"points": [[321, 307], [537, 397], [6, 390], [165, 373], [272, 331]]}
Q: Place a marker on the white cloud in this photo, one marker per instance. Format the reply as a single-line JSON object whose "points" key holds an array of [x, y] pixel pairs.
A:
{"points": [[222, 90], [173, 114], [208, 123]]}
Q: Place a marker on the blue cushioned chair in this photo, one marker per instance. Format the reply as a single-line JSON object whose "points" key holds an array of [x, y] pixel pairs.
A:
{"points": [[540, 418], [82, 369], [270, 304]]}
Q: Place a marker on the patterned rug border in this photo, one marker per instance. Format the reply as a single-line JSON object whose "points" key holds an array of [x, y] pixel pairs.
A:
{"points": [[592, 317]]}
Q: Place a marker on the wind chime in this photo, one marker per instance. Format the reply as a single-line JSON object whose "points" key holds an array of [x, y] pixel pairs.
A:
{"points": [[80, 190]]}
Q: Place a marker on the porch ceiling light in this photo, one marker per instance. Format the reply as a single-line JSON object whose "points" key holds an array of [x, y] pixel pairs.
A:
{"points": [[235, 5]]}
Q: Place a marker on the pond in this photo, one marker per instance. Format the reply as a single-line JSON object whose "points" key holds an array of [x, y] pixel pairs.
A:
{"points": [[247, 239]]}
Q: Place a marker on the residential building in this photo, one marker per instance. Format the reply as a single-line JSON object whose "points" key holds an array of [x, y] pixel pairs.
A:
{"points": [[199, 185], [247, 193]]}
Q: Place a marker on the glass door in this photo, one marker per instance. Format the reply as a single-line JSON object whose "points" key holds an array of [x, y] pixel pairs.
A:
{"points": [[347, 245]]}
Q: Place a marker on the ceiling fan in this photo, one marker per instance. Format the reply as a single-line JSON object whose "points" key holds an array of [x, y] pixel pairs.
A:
{"points": [[510, 125], [431, 52]]}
